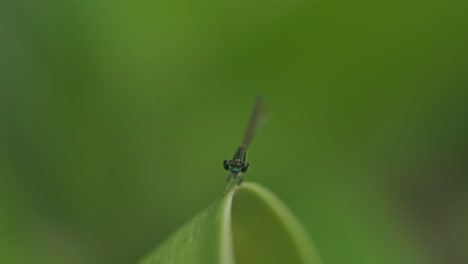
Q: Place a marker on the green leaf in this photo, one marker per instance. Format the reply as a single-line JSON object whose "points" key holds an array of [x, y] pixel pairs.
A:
{"points": [[252, 226]]}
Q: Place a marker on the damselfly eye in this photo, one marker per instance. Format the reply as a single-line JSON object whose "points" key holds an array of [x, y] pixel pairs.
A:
{"points": [[226, 165], [245, 167]]}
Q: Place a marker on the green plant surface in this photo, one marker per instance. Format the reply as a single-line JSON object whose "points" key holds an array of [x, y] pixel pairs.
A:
{"points": [[252, 226]]}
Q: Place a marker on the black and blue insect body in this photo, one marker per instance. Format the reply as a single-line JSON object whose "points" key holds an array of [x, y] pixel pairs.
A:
{"points": [[239, 164]]}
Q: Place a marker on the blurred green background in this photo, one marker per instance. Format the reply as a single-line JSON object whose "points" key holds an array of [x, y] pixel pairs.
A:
{"points": [[115, 117]]}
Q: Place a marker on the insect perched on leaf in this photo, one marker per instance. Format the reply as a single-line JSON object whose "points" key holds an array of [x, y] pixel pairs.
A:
{"points": [[239, 164]]}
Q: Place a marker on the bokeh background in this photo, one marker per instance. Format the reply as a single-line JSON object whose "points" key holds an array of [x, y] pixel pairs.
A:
{"points": [[115, 117]]}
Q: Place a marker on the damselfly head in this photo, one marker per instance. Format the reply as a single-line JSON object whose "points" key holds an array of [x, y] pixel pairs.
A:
{"points": [[236, 166]]}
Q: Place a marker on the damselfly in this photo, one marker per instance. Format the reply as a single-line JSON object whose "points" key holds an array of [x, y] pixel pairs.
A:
{"points": [[239, 164]]}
